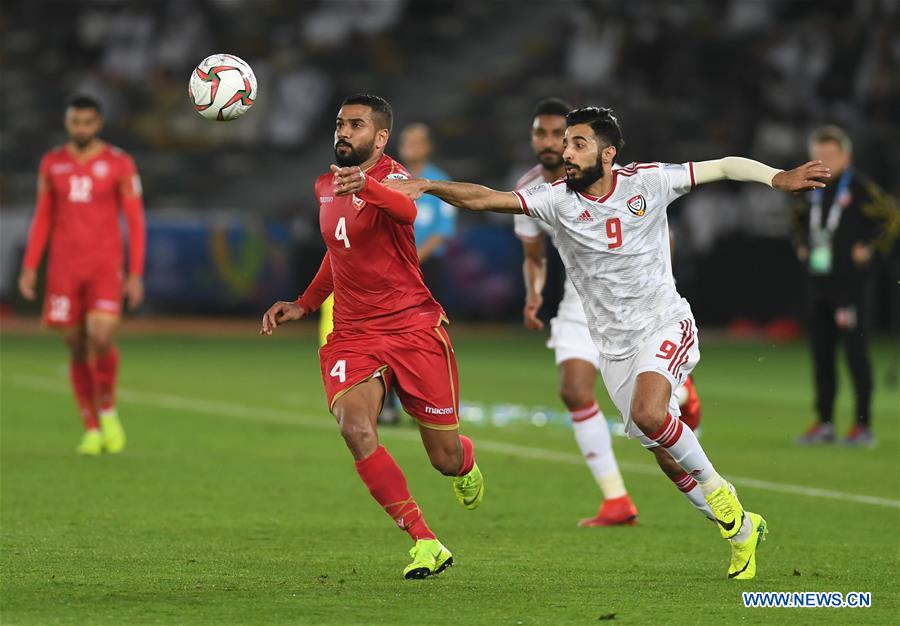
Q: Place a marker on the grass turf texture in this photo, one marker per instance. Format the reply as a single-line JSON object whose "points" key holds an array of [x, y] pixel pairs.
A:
{"points": [[236, 502]]}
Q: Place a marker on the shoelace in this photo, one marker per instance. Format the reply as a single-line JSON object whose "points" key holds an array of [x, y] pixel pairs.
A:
{"points": [[722, 504]]}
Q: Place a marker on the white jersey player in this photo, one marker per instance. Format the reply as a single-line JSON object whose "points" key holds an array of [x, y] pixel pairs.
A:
{"points": [[577, 357], [612, 235]]}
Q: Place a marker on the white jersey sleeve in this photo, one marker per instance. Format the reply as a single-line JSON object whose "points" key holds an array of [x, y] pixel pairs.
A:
{"points": [[538, 202], [526, 228], [676, 180]]}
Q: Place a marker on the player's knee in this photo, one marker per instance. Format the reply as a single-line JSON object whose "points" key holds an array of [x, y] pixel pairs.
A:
{"points": [[576, 396], [648, 417], [358, 434], [78, 347], [101, 342], [447, 462]]}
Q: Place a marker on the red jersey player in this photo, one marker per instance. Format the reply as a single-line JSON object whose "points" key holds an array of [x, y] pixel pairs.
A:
{"points": [[82, 185], [387, 326]]}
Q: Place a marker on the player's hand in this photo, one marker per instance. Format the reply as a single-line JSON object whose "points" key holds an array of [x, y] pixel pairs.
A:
{"points": [[861, 254], [279, 313], [348, 180], [27, 283], [802, 178], [413, 188], [134, 291], [802, 253], [532, 306]]}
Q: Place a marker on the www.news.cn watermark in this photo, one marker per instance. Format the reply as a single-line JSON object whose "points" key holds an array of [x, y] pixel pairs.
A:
{"points": [[806, 599]]}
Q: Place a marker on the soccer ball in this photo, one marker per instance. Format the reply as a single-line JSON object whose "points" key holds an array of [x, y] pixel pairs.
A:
{"points": [[222, 88]]}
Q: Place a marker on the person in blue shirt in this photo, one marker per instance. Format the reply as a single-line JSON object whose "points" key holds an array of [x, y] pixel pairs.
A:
{"points": [[436, 220]]}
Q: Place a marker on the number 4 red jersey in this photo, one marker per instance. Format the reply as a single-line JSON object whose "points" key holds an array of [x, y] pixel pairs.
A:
{"points": [[78, 211], [371, 265]]}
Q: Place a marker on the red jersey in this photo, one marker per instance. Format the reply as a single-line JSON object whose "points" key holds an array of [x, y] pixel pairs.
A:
{"points": [[371, 265], [78, 210]]}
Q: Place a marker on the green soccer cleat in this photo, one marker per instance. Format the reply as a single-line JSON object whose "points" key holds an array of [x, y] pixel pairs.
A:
{"points": [[91, 443], [430, 558], [743, 554], [469, 488], [727, 510], [113, 433]]}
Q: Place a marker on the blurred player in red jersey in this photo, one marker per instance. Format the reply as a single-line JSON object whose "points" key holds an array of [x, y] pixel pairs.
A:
{"points": [[82, 186], [388, 329]]}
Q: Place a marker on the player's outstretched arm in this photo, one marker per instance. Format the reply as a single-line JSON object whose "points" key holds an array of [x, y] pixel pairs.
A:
{"points": [[463, 195], [800, 178]]}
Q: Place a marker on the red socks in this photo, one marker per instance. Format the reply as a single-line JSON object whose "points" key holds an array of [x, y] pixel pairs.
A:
{"points": [[387, 484], [106, 366], [83, 386], [468, 452]]}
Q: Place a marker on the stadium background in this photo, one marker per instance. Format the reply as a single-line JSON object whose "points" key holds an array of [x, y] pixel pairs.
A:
{"points": [[236, 502], [231, 215]]}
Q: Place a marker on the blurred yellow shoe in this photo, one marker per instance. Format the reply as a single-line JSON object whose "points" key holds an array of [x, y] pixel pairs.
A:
{"points": [[113, 433], [91, 443]]}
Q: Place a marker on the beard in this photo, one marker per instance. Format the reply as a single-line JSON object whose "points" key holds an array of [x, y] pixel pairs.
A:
{"points": [[588, 177], [356, 156], [82, 141], [550, 159]]}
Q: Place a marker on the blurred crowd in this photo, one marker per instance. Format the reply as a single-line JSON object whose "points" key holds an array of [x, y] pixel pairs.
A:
{"points": [[690, 81]]}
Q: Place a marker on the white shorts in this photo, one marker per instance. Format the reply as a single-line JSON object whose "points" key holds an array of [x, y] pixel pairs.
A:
{"points": [[571, 339], [673, 351]]}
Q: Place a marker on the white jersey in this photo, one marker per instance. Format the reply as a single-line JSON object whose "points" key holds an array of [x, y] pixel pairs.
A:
{"points": [[616, 251], [529, 229]]}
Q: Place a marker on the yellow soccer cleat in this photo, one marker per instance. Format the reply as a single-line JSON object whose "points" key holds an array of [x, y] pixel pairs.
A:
{"points": [[469, 488], [743, 554], [113, 433], [91, 443], [727, 510], [430, 558]]}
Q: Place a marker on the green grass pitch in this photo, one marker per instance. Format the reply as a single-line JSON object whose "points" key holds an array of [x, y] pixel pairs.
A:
{"points": [[236, 502]]}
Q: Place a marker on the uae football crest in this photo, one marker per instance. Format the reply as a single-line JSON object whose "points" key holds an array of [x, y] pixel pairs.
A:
{"points": [[637, 205]]}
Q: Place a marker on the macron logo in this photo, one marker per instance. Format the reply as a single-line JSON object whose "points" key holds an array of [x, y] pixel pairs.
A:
{"points": [[585, 217], [435, 411]]}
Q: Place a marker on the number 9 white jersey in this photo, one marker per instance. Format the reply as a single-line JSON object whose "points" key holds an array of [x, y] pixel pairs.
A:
{"points": [[616, 250]]}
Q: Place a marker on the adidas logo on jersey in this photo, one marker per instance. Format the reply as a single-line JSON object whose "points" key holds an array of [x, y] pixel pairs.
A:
{"points": [[585, 217]]}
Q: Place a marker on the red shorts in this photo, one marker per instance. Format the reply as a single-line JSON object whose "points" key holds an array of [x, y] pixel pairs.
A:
{"points": [[420, 364], [72, 295]]}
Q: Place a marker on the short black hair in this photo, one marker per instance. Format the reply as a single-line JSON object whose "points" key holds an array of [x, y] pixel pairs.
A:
{"points": [[552, 106], [382, 112], [604, 124], [83, 101]]}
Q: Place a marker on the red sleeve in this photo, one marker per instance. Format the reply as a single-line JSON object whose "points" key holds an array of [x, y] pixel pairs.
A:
{"points": [[133, 207], [41, 224], [319, 288], [396, 204]]}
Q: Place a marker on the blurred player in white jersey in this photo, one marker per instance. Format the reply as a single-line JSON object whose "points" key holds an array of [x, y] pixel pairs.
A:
{"points": [[576, 356], [611, 231]]}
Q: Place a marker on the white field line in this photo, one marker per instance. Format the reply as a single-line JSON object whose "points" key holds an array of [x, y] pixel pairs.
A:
{"points": [[323, 422]]}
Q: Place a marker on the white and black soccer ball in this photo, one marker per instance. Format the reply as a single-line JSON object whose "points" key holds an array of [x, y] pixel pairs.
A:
{"points": [[222, 87]]}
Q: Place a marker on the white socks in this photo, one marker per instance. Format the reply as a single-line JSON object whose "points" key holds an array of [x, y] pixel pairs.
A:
{"points": [[682, 444], [595, 443], [691, 490]]}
